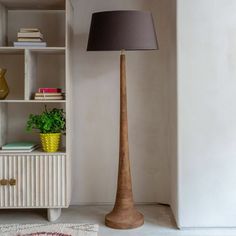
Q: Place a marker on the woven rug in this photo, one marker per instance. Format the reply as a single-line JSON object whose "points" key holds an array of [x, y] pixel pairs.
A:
{"points": [[49, 230]]}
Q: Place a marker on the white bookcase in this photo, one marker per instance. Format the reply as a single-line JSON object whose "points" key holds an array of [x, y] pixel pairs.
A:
{"points": [[42, 179]]}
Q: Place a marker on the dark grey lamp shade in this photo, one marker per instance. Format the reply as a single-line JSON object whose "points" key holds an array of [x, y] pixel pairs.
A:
{"points": [[117, 30]]}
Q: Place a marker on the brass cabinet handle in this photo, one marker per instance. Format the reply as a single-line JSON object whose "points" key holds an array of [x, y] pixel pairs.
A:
{"points": [[4, 182], [12, 182]]}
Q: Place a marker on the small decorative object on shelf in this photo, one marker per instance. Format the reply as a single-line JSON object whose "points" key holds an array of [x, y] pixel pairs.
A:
{"points": [[50, 142], [30, 37], [19, 147], [51, 125], [4, 90], [49, 94], [49, 90]]}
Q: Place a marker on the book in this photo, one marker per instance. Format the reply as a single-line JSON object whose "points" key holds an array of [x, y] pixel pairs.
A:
{"points": [[24, 30], [19, 146], [49, 98], [29, 40], [29, 35], [19, 150], [48, 94], [30, 44], [49, 90]]}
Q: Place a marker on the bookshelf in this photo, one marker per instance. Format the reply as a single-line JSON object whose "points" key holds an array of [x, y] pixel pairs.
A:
{"points": [[42, 179]]}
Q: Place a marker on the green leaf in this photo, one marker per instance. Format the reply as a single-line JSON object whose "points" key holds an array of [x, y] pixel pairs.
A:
{"points": [[50, 121]]}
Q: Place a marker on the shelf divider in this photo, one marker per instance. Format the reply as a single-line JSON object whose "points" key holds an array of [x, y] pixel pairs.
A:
{"points": [[3, 123], [30, 73], [3, 25]]}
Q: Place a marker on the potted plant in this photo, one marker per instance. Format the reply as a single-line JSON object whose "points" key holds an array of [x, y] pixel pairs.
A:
{"points": [[51, 124]]}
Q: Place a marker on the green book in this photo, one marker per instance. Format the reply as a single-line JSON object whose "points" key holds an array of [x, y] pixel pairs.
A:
{"points": [[19, 146]]}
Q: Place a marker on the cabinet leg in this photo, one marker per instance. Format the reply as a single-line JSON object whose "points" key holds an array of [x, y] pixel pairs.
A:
{"points": [[53, 214]]}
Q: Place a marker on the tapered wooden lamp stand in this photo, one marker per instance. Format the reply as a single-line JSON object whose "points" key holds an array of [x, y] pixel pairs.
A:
{"points": [[112, 31], [124, 215]]}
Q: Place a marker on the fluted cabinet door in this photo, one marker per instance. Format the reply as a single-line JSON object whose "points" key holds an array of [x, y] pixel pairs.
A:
{"points": [[33, 181]]}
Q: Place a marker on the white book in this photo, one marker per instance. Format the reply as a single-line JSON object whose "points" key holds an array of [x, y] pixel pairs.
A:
{"points": [[29, 40], [49, 98], [48, 94], [30, 35], [18, 150], [24, 30], [30, 44], [19, 145]]}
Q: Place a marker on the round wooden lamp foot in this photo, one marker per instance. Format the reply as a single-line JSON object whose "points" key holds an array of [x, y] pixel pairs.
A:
{"points": [[124, 219]]}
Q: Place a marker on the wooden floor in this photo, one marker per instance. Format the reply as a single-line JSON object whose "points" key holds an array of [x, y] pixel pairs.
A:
{"points": [[158, 221]]}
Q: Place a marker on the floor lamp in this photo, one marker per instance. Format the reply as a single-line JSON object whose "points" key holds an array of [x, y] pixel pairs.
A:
{"points": [[121, 31]]}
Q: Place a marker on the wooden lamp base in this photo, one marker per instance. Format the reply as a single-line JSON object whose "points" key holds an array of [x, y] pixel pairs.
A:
{"points": [[124, 215], [124, 219]]}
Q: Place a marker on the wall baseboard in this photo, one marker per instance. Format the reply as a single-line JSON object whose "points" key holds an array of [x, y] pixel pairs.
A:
{"points": [[112, 203]]}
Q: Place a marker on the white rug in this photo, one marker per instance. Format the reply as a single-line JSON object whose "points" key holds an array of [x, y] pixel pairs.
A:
{"points": [[49, 230]]}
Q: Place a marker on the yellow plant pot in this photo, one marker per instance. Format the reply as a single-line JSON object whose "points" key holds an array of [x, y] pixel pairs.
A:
{"points": [[50, 142]]}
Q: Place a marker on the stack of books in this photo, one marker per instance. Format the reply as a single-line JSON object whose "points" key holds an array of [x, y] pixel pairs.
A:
{"points": [[19, 147], [30, 37], [49, 94]]}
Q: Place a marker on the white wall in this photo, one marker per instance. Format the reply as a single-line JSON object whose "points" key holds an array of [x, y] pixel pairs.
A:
{"points": [[96, 109], [207, 113]]}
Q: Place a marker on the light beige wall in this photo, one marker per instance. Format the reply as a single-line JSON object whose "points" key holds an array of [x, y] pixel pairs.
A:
{"points": [[207, 113], [96, 108]]}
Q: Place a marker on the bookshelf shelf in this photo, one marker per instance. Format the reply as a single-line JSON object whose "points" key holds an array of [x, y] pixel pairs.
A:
{"points": [[34, 5], [11, 50], [29, 68], [36, 152], [48, 50], [32, 101], [21, 50]]}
